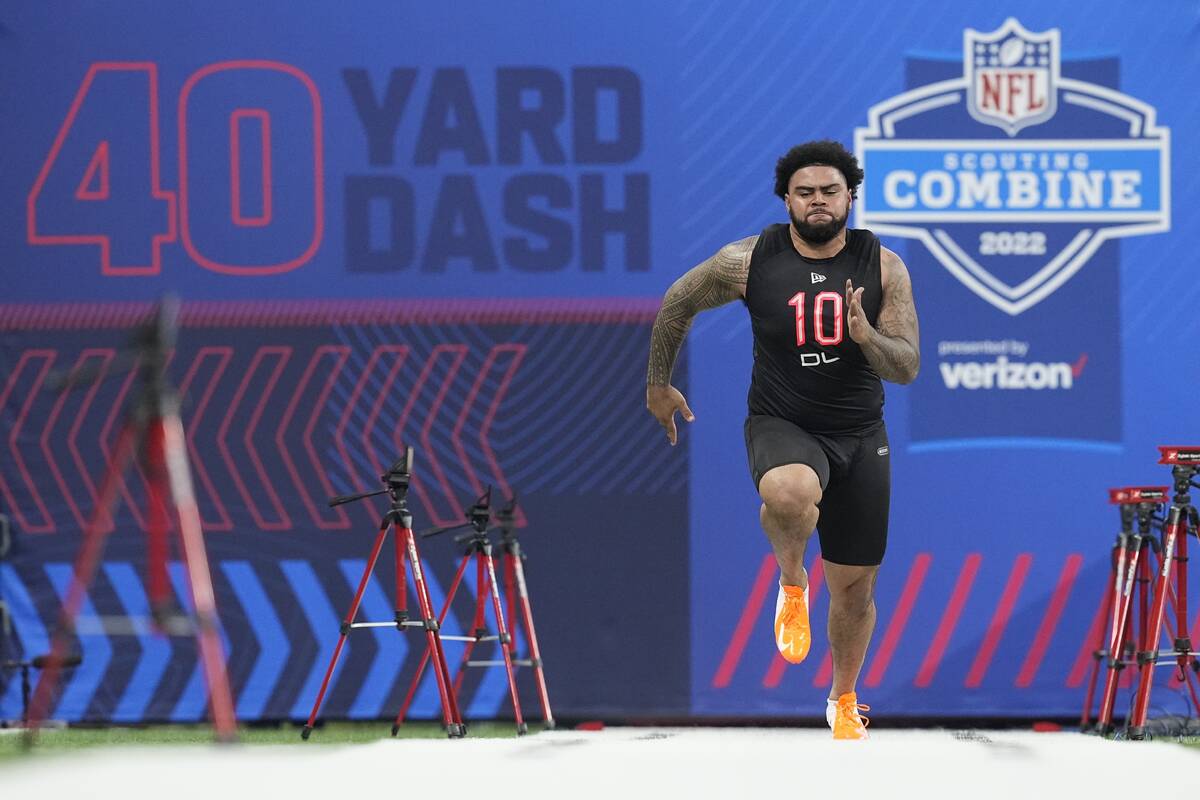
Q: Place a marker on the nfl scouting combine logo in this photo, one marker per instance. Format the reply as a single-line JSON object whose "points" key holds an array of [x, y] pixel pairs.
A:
{"points": [[1013, 175]]}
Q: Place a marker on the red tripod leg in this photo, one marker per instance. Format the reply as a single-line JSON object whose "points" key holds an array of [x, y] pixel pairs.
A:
{"points": [[532, 637], [412, 688], [195, 559], [510, 600], [535, 654], [1142, 643], [1098, 651], [498, 610], [156, 533], [345, 627], [478, 626], [1182, 643], [1120, 631], [401, 586], [94, 537], [450, 714], [1187, 661], [1184, 658], [1148, 658]]}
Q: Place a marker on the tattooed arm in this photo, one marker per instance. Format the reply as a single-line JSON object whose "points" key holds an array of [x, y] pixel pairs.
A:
{"points": [[892, 347], [714, 282]]}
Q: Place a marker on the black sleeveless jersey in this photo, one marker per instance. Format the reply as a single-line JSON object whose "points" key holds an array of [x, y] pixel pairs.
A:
{"points": [[807, 369]]}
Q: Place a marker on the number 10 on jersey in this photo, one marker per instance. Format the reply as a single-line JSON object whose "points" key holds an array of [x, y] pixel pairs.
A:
{"points": [[818, 316]]}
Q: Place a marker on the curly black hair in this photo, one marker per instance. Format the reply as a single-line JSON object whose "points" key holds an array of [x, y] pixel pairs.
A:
{"points": [[826, 153]]}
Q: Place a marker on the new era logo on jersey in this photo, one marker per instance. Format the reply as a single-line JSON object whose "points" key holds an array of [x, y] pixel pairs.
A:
{"points": [[816, 277]]}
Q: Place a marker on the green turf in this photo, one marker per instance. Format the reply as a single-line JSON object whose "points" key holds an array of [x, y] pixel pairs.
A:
{"points": [[12, 743]]}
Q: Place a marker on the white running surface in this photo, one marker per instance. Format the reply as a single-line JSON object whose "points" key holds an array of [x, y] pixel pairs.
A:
{"points": [[628, 763]]}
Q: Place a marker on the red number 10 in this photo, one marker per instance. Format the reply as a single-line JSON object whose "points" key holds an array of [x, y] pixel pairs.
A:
{"points": [[819, 302]]}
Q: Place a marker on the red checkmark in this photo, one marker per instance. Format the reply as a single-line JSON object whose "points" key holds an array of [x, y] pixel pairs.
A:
{"points": [[1077, 367]]}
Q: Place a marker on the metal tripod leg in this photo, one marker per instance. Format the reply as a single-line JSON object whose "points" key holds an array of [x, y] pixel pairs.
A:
{"points": [[412, 688], [157, 526], [169, 437], [1103, 648], [344, 629], [94, 537], [477, 626], [512, 557], [1120, 630], [450, 713], [498, 610], [1174, 529]]}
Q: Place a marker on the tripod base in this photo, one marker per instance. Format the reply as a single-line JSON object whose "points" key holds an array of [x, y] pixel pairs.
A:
{"points": [[156, 421], [399, 521], [480, 552], [455, 730]]}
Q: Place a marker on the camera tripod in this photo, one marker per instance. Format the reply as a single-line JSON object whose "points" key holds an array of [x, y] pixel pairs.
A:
{"points": [[1182, 521], [1130, 566], [397, 480], [479, 550], [153, 428]]}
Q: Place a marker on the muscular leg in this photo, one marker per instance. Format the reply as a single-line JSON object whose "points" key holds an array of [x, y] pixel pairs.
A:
{"points": [[851, 621], [790, 494]]}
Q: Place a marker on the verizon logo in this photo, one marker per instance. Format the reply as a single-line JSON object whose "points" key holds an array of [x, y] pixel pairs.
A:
{"points": [[1005, 374]]}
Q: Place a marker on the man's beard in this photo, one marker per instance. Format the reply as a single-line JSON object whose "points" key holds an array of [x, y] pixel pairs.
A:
{"points": [[820, 232]]}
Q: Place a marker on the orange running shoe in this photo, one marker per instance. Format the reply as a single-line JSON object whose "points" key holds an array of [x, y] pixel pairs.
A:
{"points": [[848, 722], [792, 634]]}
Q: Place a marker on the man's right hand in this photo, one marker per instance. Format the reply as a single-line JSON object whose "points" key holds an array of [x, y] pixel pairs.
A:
{"points": [[663, 402]]}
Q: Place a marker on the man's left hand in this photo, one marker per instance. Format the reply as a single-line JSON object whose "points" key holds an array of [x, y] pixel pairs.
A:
{"points": [[856, 319]]}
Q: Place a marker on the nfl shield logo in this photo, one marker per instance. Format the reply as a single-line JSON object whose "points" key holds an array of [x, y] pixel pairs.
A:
{"points": [[1012, 75]]}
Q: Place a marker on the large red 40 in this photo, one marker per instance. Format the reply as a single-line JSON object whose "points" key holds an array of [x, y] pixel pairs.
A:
{"points": [[101, 182]]}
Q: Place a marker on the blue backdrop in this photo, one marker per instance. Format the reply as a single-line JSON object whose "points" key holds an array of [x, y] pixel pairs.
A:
{"points": [[393, 223]]}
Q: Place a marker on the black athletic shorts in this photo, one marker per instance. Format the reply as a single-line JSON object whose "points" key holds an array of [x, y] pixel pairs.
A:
{"points": [[856, 482]]}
